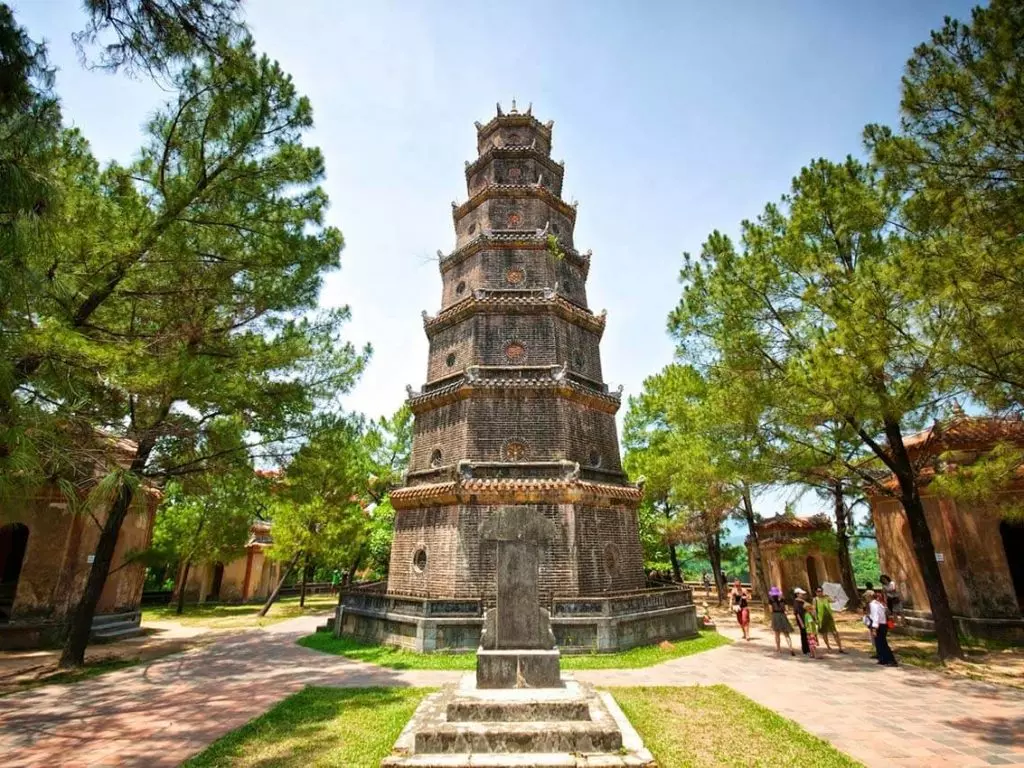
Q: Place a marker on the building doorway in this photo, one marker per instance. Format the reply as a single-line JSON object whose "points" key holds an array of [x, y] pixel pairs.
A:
{"points": [[13, 543], [812, 575], [218, 577], [1013, 544]]}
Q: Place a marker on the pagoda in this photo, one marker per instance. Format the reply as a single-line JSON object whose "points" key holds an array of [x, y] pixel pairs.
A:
{"points": [[515, 412]]}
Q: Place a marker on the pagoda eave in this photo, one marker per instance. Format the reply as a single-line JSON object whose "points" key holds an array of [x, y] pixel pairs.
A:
{"points": [[515, 305], [516, 191], [514, 150], [462, 387], [514, 490], [520, 242]]}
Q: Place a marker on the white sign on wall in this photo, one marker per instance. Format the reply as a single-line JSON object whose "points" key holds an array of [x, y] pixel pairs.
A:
{"points": [[939, 557], [90, 558]]}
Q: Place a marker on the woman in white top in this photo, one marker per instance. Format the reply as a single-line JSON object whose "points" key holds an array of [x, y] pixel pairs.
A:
{"points": [[880, 629]]}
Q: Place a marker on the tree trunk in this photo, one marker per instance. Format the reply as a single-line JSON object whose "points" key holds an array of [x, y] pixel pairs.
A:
{"points": [[672, 554], [351, 576], [80, 625], [924, 548], [674, 557], [181, 586], [302, 589], [714, 547], [843, 541], [757, 577], [277, 589]]}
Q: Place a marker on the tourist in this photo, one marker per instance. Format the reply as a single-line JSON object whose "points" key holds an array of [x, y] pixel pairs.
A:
{"points": [[780, 624], [880, 630], [822, 608], [868, 596], [799, 609], [706, 578], [741, 607], [892, 595], [810, 629]]}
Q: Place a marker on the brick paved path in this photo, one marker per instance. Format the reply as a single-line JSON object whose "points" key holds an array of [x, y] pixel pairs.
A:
{"points": [[159, 713]]}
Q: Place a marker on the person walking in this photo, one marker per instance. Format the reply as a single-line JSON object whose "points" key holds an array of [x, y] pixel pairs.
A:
{"points": [[880, 630], [892, 596], [780, 624], [822, 608], [706, 578], [799, 610], [811, 630], [741, 607]]}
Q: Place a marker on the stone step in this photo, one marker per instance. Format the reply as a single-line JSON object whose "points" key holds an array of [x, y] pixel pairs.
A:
{"points": [[531, 760], [464, 710], [113, 632], [125, 617], [523, 737]]}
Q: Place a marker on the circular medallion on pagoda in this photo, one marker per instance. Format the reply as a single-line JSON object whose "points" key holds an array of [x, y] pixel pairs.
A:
{"points": [[472, 229], [514, 175], [514, 450], [594, 458], [450, 360], [436, 457], [515, 276], [515, 351], [419, 560], [514, 220], [460, 288], [513, 138]]}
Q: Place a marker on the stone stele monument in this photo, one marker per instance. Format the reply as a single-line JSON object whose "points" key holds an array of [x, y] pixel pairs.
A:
{"points": [[517, 646]]}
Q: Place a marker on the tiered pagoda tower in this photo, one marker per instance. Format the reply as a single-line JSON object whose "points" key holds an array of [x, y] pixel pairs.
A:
{"points": [[515, 410]]}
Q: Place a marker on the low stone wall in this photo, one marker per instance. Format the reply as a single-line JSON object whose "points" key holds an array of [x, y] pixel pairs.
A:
{"points": [[601, 624]]}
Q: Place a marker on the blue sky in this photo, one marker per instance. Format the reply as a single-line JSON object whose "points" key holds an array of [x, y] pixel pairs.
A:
{"points": [[673, 119]]}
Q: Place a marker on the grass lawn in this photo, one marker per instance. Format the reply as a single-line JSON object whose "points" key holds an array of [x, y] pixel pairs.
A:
{"points": [[351, 727], [356, 727], [397, 658], [239, 616], [714, 725]]}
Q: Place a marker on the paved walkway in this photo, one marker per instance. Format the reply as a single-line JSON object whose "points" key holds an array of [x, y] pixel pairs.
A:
{"points": [[159, 713]]}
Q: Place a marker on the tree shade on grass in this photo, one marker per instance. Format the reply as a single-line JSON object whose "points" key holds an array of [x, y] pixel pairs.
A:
{"points": [[715, 726], [399, 658], [239, 615], [356, 727], [351, 727]]}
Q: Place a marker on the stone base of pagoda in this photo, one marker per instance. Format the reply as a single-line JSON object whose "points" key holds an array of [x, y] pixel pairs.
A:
{"points": [[585, 624]]}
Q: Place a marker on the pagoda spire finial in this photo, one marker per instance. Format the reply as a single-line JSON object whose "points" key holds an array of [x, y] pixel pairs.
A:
{"points": [[513, 111]]}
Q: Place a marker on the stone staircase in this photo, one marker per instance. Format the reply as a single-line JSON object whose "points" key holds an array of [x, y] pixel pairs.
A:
{"points": [[917, 624], [109, 627], [570, 727]]}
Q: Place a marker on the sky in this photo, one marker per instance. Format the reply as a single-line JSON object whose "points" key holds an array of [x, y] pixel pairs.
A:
{"points": [[674, 119]]}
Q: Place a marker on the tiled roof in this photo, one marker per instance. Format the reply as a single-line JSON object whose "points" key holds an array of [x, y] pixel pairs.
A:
{"points": [[964, 432], [514, 118], [781, 523]]}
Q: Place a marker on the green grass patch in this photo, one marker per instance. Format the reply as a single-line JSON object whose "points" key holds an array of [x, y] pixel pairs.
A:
{"points": [[239, 615], [399, 658], [701, 727], [351, 727]]}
